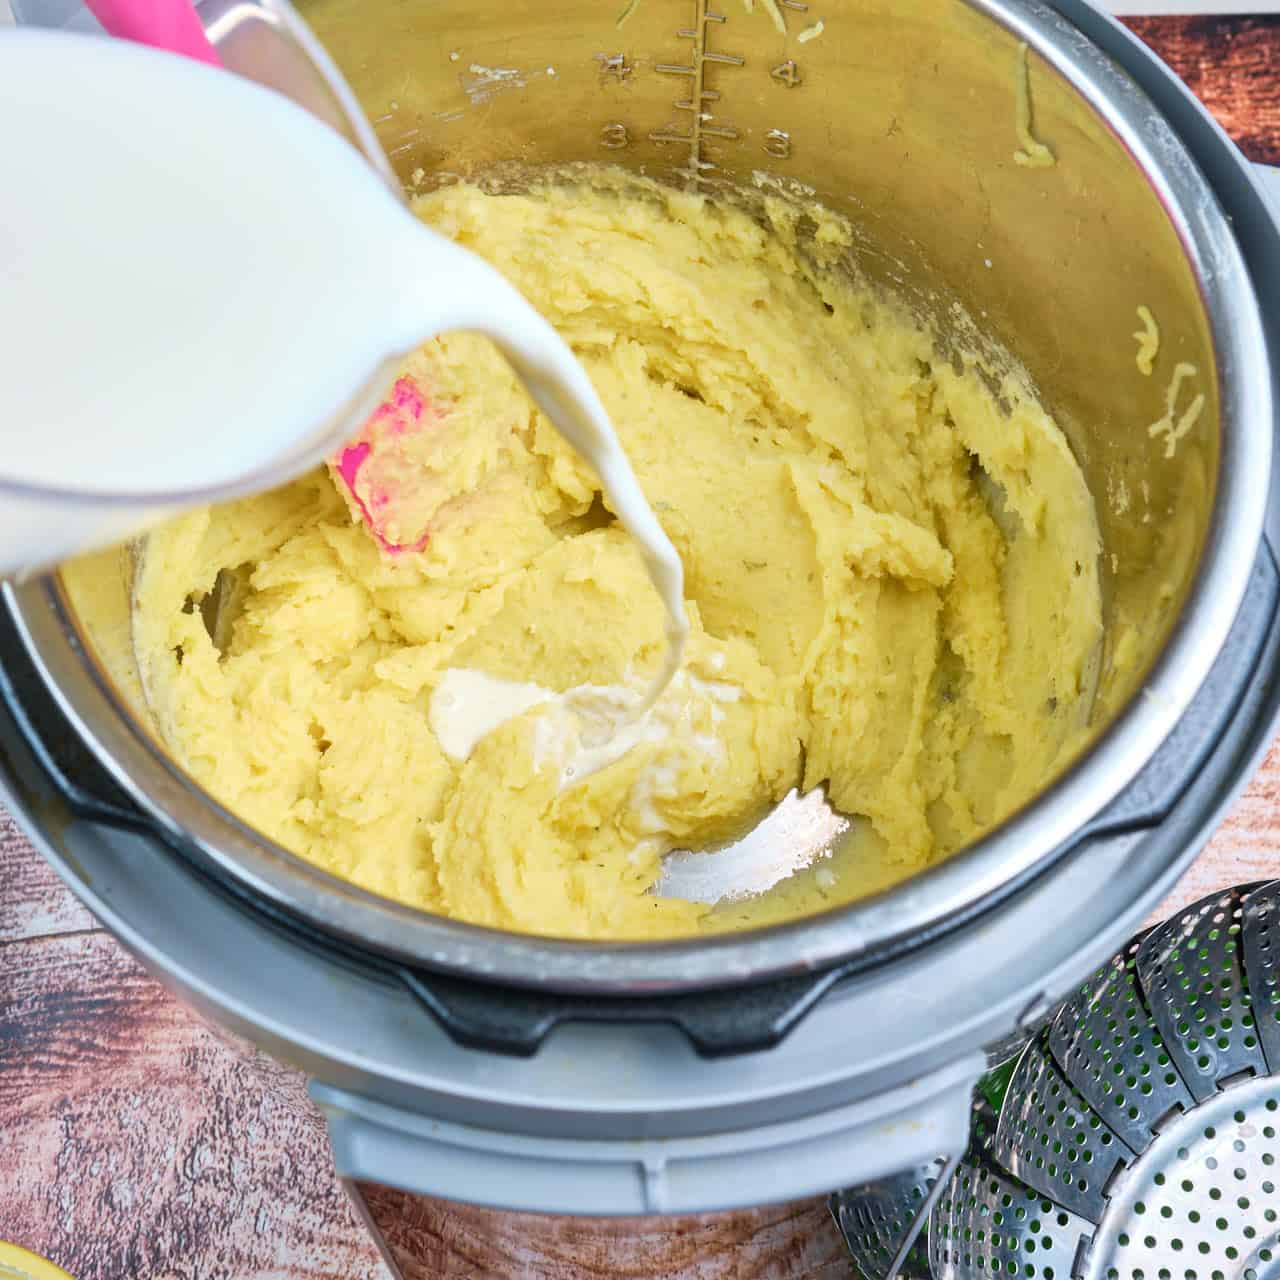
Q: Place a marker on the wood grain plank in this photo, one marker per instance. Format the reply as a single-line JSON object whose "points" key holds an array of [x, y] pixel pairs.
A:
{"points": [[136, 1146], [33, 901], [440, 1240], [1231, 64], [1245, 848]]}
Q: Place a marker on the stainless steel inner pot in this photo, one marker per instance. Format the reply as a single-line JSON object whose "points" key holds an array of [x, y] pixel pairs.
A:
{"points": [[899, 114]]}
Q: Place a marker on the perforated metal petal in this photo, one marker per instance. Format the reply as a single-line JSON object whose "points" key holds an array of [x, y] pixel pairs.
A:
{"points": [[1108, 1045], [1053, 1140], [1262, 966], [988, 1224], [1191, 973], [875, 1219]]}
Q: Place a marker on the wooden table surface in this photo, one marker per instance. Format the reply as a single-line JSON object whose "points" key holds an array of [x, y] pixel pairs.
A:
{"points": [[137, 1144]]}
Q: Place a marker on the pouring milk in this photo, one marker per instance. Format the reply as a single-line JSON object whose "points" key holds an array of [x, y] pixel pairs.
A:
{"points": [[174, 334]]}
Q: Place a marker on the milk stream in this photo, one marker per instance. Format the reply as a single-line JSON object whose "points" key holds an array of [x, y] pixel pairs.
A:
{"points": [[203, 291]]}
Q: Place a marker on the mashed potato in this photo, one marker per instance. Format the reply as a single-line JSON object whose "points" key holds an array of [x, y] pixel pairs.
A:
{"points": [[891, 572]]}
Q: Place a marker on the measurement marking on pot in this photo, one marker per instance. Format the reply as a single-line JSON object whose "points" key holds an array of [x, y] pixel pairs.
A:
{"points": [[705, 127], [701, 97]]}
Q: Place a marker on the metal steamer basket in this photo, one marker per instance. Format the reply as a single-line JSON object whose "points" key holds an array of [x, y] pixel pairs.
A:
{"points": [[1136, 1135], [836, 1049]]}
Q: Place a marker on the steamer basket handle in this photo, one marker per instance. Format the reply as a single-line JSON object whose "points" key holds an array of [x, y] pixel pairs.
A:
{"points": [[868, 1238]]}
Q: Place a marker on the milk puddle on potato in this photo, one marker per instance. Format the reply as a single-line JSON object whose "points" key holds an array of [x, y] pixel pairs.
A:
{"points": [[587, 728]]}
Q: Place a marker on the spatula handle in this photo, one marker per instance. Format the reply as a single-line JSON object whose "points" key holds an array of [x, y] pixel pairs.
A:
{"points": [[162, 24]]}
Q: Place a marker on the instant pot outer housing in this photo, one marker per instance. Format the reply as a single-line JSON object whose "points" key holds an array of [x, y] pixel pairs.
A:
{"points": [[757, 1066]]}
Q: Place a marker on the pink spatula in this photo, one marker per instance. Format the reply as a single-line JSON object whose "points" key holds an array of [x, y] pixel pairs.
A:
{"points": [[378, 469]]}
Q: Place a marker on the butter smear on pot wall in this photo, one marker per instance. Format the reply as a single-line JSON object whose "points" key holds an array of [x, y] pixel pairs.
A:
{"points": [[892, 581]]}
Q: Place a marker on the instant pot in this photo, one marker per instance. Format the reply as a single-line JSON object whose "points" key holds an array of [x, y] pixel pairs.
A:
{"points": [[714, 1072]]}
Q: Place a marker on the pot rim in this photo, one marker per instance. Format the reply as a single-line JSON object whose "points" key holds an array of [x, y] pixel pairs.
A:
{"points": [[972, 880]]}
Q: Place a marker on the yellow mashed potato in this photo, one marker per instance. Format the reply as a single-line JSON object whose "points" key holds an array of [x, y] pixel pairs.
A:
{"points": [[891, 572]]}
